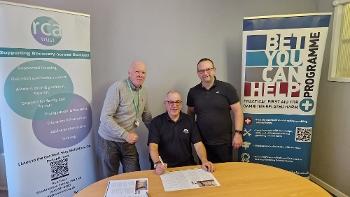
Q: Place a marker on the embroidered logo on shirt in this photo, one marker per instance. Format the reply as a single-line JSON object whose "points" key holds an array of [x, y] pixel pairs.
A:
{"points": [[185, 131], [217, 92]]}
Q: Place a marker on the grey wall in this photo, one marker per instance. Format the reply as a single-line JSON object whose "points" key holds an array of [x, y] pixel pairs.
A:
{"points": [[170, 36], [330, 148], [1, 143]]}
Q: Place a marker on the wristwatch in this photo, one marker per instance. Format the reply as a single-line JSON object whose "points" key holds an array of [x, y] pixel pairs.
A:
{"points": [[239, 131], [156, 163]]}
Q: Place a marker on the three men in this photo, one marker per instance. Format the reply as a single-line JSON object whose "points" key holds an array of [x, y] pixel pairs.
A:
{"points": [[172, 133]]}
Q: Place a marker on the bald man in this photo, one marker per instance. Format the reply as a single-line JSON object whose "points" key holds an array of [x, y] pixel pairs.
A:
{"points": [[124, 107]]}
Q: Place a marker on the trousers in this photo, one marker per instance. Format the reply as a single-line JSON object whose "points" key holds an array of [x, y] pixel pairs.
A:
{"points": [[112, 153]]}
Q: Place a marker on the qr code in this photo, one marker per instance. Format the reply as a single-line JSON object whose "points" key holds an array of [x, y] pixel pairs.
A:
{"points": [[59, 168], [303, 134]]}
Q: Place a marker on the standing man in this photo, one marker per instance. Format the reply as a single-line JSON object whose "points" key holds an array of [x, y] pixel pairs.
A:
{"points": [[212, 102], [171, 137], [124, 107]]}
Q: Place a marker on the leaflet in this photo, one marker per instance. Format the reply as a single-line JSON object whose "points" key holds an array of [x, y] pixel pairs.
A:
{"points": [[188, 179], [127, 188]]}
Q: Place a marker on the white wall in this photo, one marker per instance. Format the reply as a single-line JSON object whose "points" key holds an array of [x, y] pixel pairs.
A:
{"points": [[170, 36], [330, 161]]}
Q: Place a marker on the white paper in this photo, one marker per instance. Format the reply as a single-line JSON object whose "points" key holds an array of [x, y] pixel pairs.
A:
{"points": [[127, 188], [188, 179]]}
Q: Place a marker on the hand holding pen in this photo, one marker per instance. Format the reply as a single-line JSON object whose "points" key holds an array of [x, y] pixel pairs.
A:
{"points": [[160, 166]]}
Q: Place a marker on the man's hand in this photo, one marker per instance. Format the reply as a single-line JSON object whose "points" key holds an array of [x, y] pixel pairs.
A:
{"points": [[160, 168], [132, 137], [208, 166], [237, 140]]}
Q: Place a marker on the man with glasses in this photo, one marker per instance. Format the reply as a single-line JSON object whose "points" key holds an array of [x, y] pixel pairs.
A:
{"points": [[171, 136], [124, 107], [212, 102]]}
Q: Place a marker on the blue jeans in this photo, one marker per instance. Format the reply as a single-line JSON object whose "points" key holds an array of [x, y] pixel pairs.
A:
{"points": [[112, 153]]}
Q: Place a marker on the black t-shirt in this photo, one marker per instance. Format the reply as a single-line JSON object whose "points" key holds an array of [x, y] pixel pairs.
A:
{"points": [[174, 139], [212, 109]]}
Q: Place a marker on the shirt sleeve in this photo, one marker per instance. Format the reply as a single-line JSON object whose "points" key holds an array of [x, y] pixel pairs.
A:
{"points": [[195, 136], [154, 134], [190, 101], [146, 114], [110, 106], [232, 94]]}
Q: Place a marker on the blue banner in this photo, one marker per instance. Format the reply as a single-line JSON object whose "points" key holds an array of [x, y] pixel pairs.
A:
{"points": [[282, 60]]}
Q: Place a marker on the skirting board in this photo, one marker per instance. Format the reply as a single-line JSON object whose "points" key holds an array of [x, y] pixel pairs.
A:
{"points": [[327, 187]]}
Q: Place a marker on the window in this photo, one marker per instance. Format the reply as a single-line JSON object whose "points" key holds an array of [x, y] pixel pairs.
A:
{"points": [[339, 68]]}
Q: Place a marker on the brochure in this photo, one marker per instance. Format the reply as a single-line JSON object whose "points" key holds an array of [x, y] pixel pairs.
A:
{"points": [[188, 179], [127, 188]]}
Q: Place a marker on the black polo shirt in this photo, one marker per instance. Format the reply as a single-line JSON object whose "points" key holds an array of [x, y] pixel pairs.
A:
{"points": [[212, 109], [174, 139]]}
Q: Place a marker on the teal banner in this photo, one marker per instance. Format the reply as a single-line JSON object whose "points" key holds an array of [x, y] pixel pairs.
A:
{"points": [[43, 53], [45, 100], [282, 61]]}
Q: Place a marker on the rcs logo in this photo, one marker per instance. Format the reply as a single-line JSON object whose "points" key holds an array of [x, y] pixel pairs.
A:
{"points": [[46, 31]]}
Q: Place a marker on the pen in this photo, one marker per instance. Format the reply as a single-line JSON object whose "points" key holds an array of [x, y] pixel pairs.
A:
{"points": [[161, 161]]}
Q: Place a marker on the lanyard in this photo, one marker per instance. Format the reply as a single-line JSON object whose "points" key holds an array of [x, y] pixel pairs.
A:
{"points": [[136, 103]]}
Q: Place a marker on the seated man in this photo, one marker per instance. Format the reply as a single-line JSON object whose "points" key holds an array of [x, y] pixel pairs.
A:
{"points": [[171, 135]]}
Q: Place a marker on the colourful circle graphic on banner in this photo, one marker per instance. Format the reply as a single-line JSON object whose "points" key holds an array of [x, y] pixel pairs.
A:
{"points": [[64, 128], [46, 31], [36, 84]]}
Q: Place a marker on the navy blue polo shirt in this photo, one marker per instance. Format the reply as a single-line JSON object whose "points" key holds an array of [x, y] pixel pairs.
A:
{"points": [[212, 109], [174, 139]]}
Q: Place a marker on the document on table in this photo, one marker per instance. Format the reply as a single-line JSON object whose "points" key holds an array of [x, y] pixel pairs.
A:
{"points": [[127, 188], [188, 179]]}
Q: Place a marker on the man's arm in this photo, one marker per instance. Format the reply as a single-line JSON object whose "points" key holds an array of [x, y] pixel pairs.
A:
{"points": [[190, 111], [109, 109], [237, 139], [202, 154], [147, 115], [153, 150], [110, 106]]}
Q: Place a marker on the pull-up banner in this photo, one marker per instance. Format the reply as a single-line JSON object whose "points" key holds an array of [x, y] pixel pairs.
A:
{"points": [[282, 60], [45, 96]]}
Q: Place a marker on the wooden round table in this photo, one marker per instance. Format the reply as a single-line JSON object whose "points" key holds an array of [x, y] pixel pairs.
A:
{"points": [[235, 178]]}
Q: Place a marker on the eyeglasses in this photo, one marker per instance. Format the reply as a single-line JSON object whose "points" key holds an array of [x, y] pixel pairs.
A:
{"points": [[203, 70], [177, 102]]}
